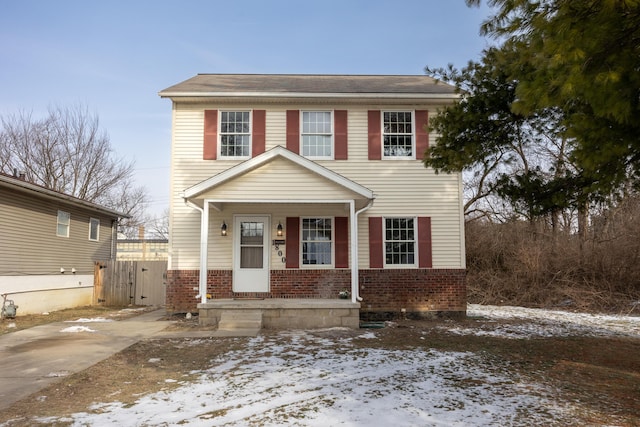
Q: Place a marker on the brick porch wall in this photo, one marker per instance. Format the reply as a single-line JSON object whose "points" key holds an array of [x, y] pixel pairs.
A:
{"points": [[182, 286], [421, 292]]}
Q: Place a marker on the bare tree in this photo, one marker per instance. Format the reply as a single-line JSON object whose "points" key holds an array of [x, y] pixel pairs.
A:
{"points": [[159, 225], [66, 151]]}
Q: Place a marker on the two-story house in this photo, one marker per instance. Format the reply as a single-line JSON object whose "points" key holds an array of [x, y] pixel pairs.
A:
{"points": [[289, 191]]}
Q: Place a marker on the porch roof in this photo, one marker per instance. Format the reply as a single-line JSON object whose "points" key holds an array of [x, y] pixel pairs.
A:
{"points": [[337, 188]]}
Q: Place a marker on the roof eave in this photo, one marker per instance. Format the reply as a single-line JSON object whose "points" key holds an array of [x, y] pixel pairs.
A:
{"points": [[165, 94], [54, 195]]}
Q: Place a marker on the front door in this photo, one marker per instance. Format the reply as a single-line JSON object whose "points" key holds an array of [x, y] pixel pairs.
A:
{"points": [[251, 254]]}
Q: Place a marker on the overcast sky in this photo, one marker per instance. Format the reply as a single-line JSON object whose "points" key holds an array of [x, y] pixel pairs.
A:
{"points": [[115, 56]]}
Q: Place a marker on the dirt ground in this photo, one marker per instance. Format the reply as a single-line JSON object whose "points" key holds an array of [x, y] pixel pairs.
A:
{"points": [[602, 372], [31, 320]]}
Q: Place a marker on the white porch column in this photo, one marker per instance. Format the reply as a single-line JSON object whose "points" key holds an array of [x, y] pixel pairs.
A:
{"points": [[204, 254], [354, 250]]}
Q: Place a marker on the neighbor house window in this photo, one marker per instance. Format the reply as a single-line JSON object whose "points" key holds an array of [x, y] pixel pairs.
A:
{"points": [[94, 229], [317, 241], [64, 222], [317, 134], [235, 134], [400, 241], [397, 134]]}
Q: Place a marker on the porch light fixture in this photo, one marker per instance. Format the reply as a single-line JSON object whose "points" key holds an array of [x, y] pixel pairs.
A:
{"points": [[223, 228], [279, 229]]}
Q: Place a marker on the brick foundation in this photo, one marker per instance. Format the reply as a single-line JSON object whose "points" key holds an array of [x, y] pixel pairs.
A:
{"points": [[420, 292]]}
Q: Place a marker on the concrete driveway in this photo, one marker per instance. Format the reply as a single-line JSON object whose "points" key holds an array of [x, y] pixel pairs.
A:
{"points": [[33, 358]]}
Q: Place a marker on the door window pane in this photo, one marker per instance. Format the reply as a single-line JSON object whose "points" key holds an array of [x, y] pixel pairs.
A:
{"points": [[251, 244]]}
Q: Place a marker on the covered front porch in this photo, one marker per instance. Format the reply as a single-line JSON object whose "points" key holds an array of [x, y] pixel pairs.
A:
{"points": [[278, 244]]}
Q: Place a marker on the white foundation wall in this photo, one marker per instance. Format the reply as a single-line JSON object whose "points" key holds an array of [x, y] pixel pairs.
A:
{"points": [[44, 293]]}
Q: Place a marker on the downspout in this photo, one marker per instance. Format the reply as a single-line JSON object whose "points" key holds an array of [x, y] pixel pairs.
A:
{"points": [[204, 220], [355, 295]]}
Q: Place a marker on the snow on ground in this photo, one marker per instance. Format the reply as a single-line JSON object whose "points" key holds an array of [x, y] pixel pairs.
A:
{"points": [[536, 323], [89, 320], [308, 379], [76, 329]]}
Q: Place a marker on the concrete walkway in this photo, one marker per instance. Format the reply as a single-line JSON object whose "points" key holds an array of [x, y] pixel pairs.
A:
{"points": [[33, 358]]}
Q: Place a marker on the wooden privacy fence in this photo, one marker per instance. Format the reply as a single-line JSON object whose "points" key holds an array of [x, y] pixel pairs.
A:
{"points": [[121, 283]]}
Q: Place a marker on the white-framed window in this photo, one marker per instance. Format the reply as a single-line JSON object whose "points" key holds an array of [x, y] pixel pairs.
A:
{"points": [[317, 241], [94, 229], [63, 224], [397, 135], [400, 242], [235, 134], [317, 134]]}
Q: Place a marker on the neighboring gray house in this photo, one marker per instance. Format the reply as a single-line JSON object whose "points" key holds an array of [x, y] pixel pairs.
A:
{"points": [[50, 243]]}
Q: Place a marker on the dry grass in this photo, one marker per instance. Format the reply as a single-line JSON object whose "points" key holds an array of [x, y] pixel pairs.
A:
{"points": [[509, 264], [601, 373]]}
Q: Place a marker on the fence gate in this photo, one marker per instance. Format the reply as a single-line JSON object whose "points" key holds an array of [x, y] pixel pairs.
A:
{"points": [[121, 283]]}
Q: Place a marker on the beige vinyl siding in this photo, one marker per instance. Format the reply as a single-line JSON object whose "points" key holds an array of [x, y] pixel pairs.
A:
{"points": [[402, 187], [276, 128], [30, 246], [221, 247], [281, 179]]}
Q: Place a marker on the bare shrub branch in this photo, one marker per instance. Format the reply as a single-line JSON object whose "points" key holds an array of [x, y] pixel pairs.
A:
{"points": [[68, 152]]}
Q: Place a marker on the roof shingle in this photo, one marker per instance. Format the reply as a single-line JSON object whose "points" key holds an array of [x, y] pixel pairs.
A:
{"points": [[229, 84]]}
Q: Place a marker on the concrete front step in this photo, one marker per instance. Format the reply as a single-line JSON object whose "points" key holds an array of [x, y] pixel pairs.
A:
{"points": [[285, 313], [237, 320]]}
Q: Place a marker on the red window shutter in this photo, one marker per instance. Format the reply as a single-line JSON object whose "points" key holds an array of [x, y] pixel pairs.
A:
{"points": [[340, 138], [422, 134], [424, 242], [375, 138], [293, 131], [342, 242], [293, 242], [210, 146], [376, 253], [258, 132]]}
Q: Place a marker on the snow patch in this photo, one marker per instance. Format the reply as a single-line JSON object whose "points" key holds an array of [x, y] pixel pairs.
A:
{"points": [[85, 320], [76, 329]]}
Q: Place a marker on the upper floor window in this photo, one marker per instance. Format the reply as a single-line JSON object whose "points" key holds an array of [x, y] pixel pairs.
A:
{"points": [[397, 134], [317, 241], [94, 229], [235, 134], [317, 134], [63, 224], [399, 242]]}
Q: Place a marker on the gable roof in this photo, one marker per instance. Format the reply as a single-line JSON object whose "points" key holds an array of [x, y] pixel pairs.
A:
{"points": [[310, 85], [35, 190], [266, 157]]}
